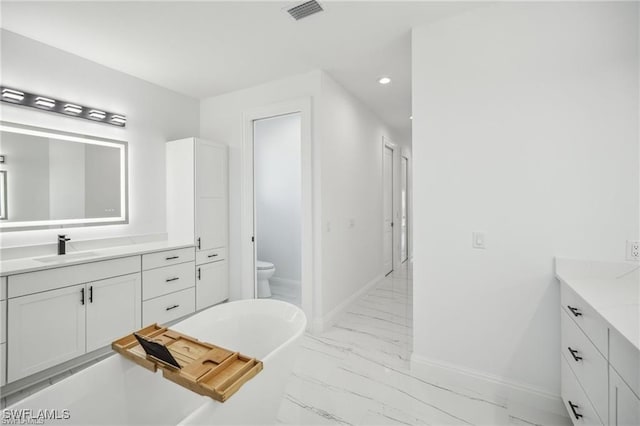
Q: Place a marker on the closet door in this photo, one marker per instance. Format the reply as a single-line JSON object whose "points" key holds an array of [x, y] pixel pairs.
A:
{"points": [[211, 195]]}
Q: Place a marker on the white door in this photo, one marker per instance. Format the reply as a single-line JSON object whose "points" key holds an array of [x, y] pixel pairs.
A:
{"points": [[45, 329], [404, 200], [211, 184], [113, 309], [212, 284], [388, 209]]}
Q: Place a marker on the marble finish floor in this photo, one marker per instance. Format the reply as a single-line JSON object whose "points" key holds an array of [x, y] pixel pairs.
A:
{"points": [[357, 373]]}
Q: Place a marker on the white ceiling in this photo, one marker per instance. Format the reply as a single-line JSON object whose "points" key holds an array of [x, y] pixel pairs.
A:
{"points": [[203, 49]]}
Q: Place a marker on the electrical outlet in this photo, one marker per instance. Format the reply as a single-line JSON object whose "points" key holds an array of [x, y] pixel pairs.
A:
{"points": [[633, 250], [479, 240]]}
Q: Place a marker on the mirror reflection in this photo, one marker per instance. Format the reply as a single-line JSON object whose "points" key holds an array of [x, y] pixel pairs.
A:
{"points": [[61, 179]]}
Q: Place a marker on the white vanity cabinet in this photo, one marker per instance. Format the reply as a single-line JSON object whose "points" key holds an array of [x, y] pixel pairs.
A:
{"points": [[3, 330], [58, 314], [197, 211], [624, 404]]}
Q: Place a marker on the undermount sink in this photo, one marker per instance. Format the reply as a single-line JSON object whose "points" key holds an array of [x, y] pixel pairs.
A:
{"points": [[65, 257]]}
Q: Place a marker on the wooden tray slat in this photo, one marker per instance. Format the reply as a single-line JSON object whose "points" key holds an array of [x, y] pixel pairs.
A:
{"points": [[206, 369]]}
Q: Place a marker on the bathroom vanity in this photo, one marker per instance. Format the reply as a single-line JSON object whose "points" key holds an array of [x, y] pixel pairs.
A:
{"points": [[600, 341]]}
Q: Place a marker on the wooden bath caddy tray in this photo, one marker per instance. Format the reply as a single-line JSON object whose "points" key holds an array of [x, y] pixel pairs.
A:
{"points": [[204, 368]]}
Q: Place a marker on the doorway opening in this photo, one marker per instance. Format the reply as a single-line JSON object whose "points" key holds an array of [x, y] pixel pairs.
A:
{"points": [[277, 183], [404, 209], [387, 202]]}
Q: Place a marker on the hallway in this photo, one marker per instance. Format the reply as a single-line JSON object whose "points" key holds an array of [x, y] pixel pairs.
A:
{"points": [[358, 372]]}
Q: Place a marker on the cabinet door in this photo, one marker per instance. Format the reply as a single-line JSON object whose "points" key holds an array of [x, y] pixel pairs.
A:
{"points": [[211, 195], [113, 309], [212, 284], [625, 405], [45, 329]]}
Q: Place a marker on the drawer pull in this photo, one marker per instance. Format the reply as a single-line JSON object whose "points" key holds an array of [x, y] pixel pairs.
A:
{"points": [[573, 408], [171, 257], [172, 307], [213, 255], [575, 311], [573, 353], [82, 296], [168, 280]]}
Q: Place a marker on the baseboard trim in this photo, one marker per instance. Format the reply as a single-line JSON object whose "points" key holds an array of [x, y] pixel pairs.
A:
{"points": [[285, 283], [322, 323], [508, 392]]}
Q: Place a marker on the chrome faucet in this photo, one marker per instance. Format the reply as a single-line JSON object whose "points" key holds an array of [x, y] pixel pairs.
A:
{"points": [[62, 244]]}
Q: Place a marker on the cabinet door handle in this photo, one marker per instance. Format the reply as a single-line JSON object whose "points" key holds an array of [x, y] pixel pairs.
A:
{"points": [[82, 296], [573, 408], [91, 294], [168, 280], [199, 274], [213, 255], [171, 257], [573, 353], [199, 245], [172, 307], [575, 311]]}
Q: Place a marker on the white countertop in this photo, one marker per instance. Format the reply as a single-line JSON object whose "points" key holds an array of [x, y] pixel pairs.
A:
{"points": [[30, 264], [612, 289]]}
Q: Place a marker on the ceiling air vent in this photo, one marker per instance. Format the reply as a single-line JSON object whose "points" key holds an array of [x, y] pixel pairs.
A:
{"points": [[305, 9]]}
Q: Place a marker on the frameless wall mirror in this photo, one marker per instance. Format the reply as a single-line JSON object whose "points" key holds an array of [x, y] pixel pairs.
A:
{"points": [[54, 179]]}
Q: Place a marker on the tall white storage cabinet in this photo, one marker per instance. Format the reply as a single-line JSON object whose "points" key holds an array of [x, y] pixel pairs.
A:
{"points": [[198, 210]]}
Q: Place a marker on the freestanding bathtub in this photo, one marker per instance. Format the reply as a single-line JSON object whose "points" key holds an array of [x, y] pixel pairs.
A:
{"points": [[117, 391]]}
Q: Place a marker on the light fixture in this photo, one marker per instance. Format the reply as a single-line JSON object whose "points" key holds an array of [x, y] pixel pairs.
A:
{"points": [[96, 114], [45, 103], [119, 119], [72, 109], [411, 117], [13, 95], [384, 80]]}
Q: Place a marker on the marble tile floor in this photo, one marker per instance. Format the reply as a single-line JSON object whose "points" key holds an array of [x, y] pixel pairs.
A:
{"points": [[286, 294], [357, 373]]}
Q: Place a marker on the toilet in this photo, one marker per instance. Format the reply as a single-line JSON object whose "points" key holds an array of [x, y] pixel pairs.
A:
{"points": [[264, 270]]}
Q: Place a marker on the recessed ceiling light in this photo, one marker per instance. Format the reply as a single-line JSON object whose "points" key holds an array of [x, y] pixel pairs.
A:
{"points": [[384, 80], [411, 117]]}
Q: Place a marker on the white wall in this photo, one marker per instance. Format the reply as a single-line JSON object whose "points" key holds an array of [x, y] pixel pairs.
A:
{"points": [[278, 182], [526, 127], [154, 116], [221, 119], [352, 148]]}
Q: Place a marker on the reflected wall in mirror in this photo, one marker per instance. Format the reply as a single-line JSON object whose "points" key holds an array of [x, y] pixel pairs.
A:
{"points": [[57, 179]]}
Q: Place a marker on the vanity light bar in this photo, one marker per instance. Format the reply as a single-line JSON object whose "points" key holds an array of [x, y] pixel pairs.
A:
{"points": [[18, 97]]}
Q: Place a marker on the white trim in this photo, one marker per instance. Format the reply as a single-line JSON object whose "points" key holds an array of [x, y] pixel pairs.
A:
{"points": [[503, 391], [310, 211], [387, 143], [285, 283], [323, 323]]}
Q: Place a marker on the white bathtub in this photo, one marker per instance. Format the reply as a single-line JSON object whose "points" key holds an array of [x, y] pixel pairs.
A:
{"points": [[117, 391]]}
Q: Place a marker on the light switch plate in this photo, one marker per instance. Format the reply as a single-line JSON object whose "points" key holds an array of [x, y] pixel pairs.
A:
{"points": [[633, 250], [479, 240]]}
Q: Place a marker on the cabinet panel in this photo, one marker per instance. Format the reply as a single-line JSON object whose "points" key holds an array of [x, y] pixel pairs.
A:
{"points": [[170, 279], [45, 329], [625, 405], [170, 307], [586, 317], [211, 169], [3, 321], [168, 257], [625, 359], [212, 284], [113, 309], [588, 365], [211, 222], [3, 365], [575, 400], [3, 288], [213, 255]]}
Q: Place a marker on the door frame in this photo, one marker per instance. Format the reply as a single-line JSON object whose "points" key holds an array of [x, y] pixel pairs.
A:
{"points": [[248, 208], [387, 143], [405, 158]]}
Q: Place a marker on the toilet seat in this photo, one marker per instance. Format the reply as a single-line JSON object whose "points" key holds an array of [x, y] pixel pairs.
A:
{"points": [[261, 265]]}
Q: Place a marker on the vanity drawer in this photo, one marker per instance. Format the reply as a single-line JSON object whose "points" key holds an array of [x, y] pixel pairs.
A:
{"points": [[168, 257], [575, 400], [167, 308], [589, 366], [586, 317], [625, 359], [213, 255], [3, 321], [54, 278], [161, 281]]}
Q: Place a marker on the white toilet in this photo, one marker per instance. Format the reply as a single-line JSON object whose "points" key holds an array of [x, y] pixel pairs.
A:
{"points": [[264, 270]]}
